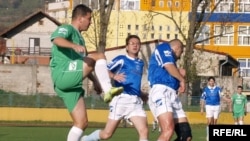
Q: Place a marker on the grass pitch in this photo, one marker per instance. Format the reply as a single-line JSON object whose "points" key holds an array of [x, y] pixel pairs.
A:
{"points": [[45, 133]]}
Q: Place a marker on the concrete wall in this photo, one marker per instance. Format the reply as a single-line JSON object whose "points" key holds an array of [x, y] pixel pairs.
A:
{"points": [[62, 115], [26, 79]]}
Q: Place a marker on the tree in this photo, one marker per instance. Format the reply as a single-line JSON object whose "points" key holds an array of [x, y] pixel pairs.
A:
{"points": [[100, 23], [200, 12]]}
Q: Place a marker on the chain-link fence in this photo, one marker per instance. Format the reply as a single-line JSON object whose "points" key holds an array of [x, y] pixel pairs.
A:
{"points": [[92, 102]]}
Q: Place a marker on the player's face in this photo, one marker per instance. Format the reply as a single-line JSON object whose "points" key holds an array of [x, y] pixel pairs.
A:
{"points": [[239, 90], [178, 51], [85, 22], [133, 47], [211, 82]]}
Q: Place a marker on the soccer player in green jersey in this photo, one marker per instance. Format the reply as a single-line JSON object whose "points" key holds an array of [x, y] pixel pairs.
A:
{"points": [[71, 63], [239, 105]]}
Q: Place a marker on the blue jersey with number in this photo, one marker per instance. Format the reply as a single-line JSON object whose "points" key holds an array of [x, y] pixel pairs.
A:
{"points": [[133, 70], [157, 74], [211, 95]]}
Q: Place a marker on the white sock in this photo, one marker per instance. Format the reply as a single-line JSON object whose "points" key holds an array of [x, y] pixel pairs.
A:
{"points": [[102, 74], [94, 136], [240, 122], [75, 134]]}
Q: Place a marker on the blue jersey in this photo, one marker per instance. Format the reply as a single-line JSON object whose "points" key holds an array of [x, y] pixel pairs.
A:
{"points": [[157, 74], [133, 70], [211, 95]]}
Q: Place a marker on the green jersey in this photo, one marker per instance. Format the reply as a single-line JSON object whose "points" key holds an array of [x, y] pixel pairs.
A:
{"points": [[62, 56], [71, 34], [239, 103]]}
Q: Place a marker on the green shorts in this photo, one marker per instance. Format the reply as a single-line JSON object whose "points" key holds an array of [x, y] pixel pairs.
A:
{"points": [[238, 114], [68, 80]]}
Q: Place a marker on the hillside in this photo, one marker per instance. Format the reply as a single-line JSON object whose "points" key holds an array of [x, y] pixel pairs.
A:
{"points": [[12, 11]]}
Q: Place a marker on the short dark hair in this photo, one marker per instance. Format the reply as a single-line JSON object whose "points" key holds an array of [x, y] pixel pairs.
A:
{"points": [[130, 37], [240, 87], [80, 10], [211, 77]]}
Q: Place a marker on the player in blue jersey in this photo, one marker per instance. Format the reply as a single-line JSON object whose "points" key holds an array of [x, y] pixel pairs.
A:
{"points": [[126, 71], [166, 81], [210, 100]]}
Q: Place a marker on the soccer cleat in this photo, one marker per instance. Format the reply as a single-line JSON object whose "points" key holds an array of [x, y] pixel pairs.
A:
{"points": [[111, 93]]}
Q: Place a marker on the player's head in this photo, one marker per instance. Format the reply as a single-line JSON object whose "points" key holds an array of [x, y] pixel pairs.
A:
{"points": [[81, 17], [211, 81], [177, 47], [239, 89], [133, 45]]}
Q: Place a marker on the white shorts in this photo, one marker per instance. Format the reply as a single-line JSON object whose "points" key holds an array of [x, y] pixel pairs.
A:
{"points": [[212, 111], [164, 99], [126, 106]]}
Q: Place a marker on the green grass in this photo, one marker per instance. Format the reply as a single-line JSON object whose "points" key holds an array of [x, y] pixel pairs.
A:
{"points": [[45, 133]]}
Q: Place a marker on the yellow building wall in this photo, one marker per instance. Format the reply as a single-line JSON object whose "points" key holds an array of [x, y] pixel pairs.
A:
{"points": [[120, 20], [62, 115], [235, 50]]}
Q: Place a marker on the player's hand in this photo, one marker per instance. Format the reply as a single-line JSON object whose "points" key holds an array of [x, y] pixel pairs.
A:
{"points": [[182, 87], [120, 77], [202, 111], [79, 48]]}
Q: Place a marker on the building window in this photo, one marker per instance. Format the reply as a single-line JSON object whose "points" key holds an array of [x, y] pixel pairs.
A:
{"points": [[161, 3], [152, 35], [168, 36], [153, 3], [225, 6], [177, 4], [244, 6], [224, 35], [168, 28], [152, 28], [144, 36], [169, 3], [244, 35], [160, 28], [129, 34], [129, 4], [160, 36], [129, 27], [40, 22], [204, 34], [201, 5], [137, 27], [176, 36], [244, 67], [121, 34]]}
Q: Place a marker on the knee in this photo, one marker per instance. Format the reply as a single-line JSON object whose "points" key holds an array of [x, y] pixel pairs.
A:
{"points": [[183, 131], [143, 132], [83, 125]]}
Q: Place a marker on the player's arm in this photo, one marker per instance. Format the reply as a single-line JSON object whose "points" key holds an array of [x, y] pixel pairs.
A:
{"points": [[245, 105], [64, 43], [173, 70], [202, 102]]}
